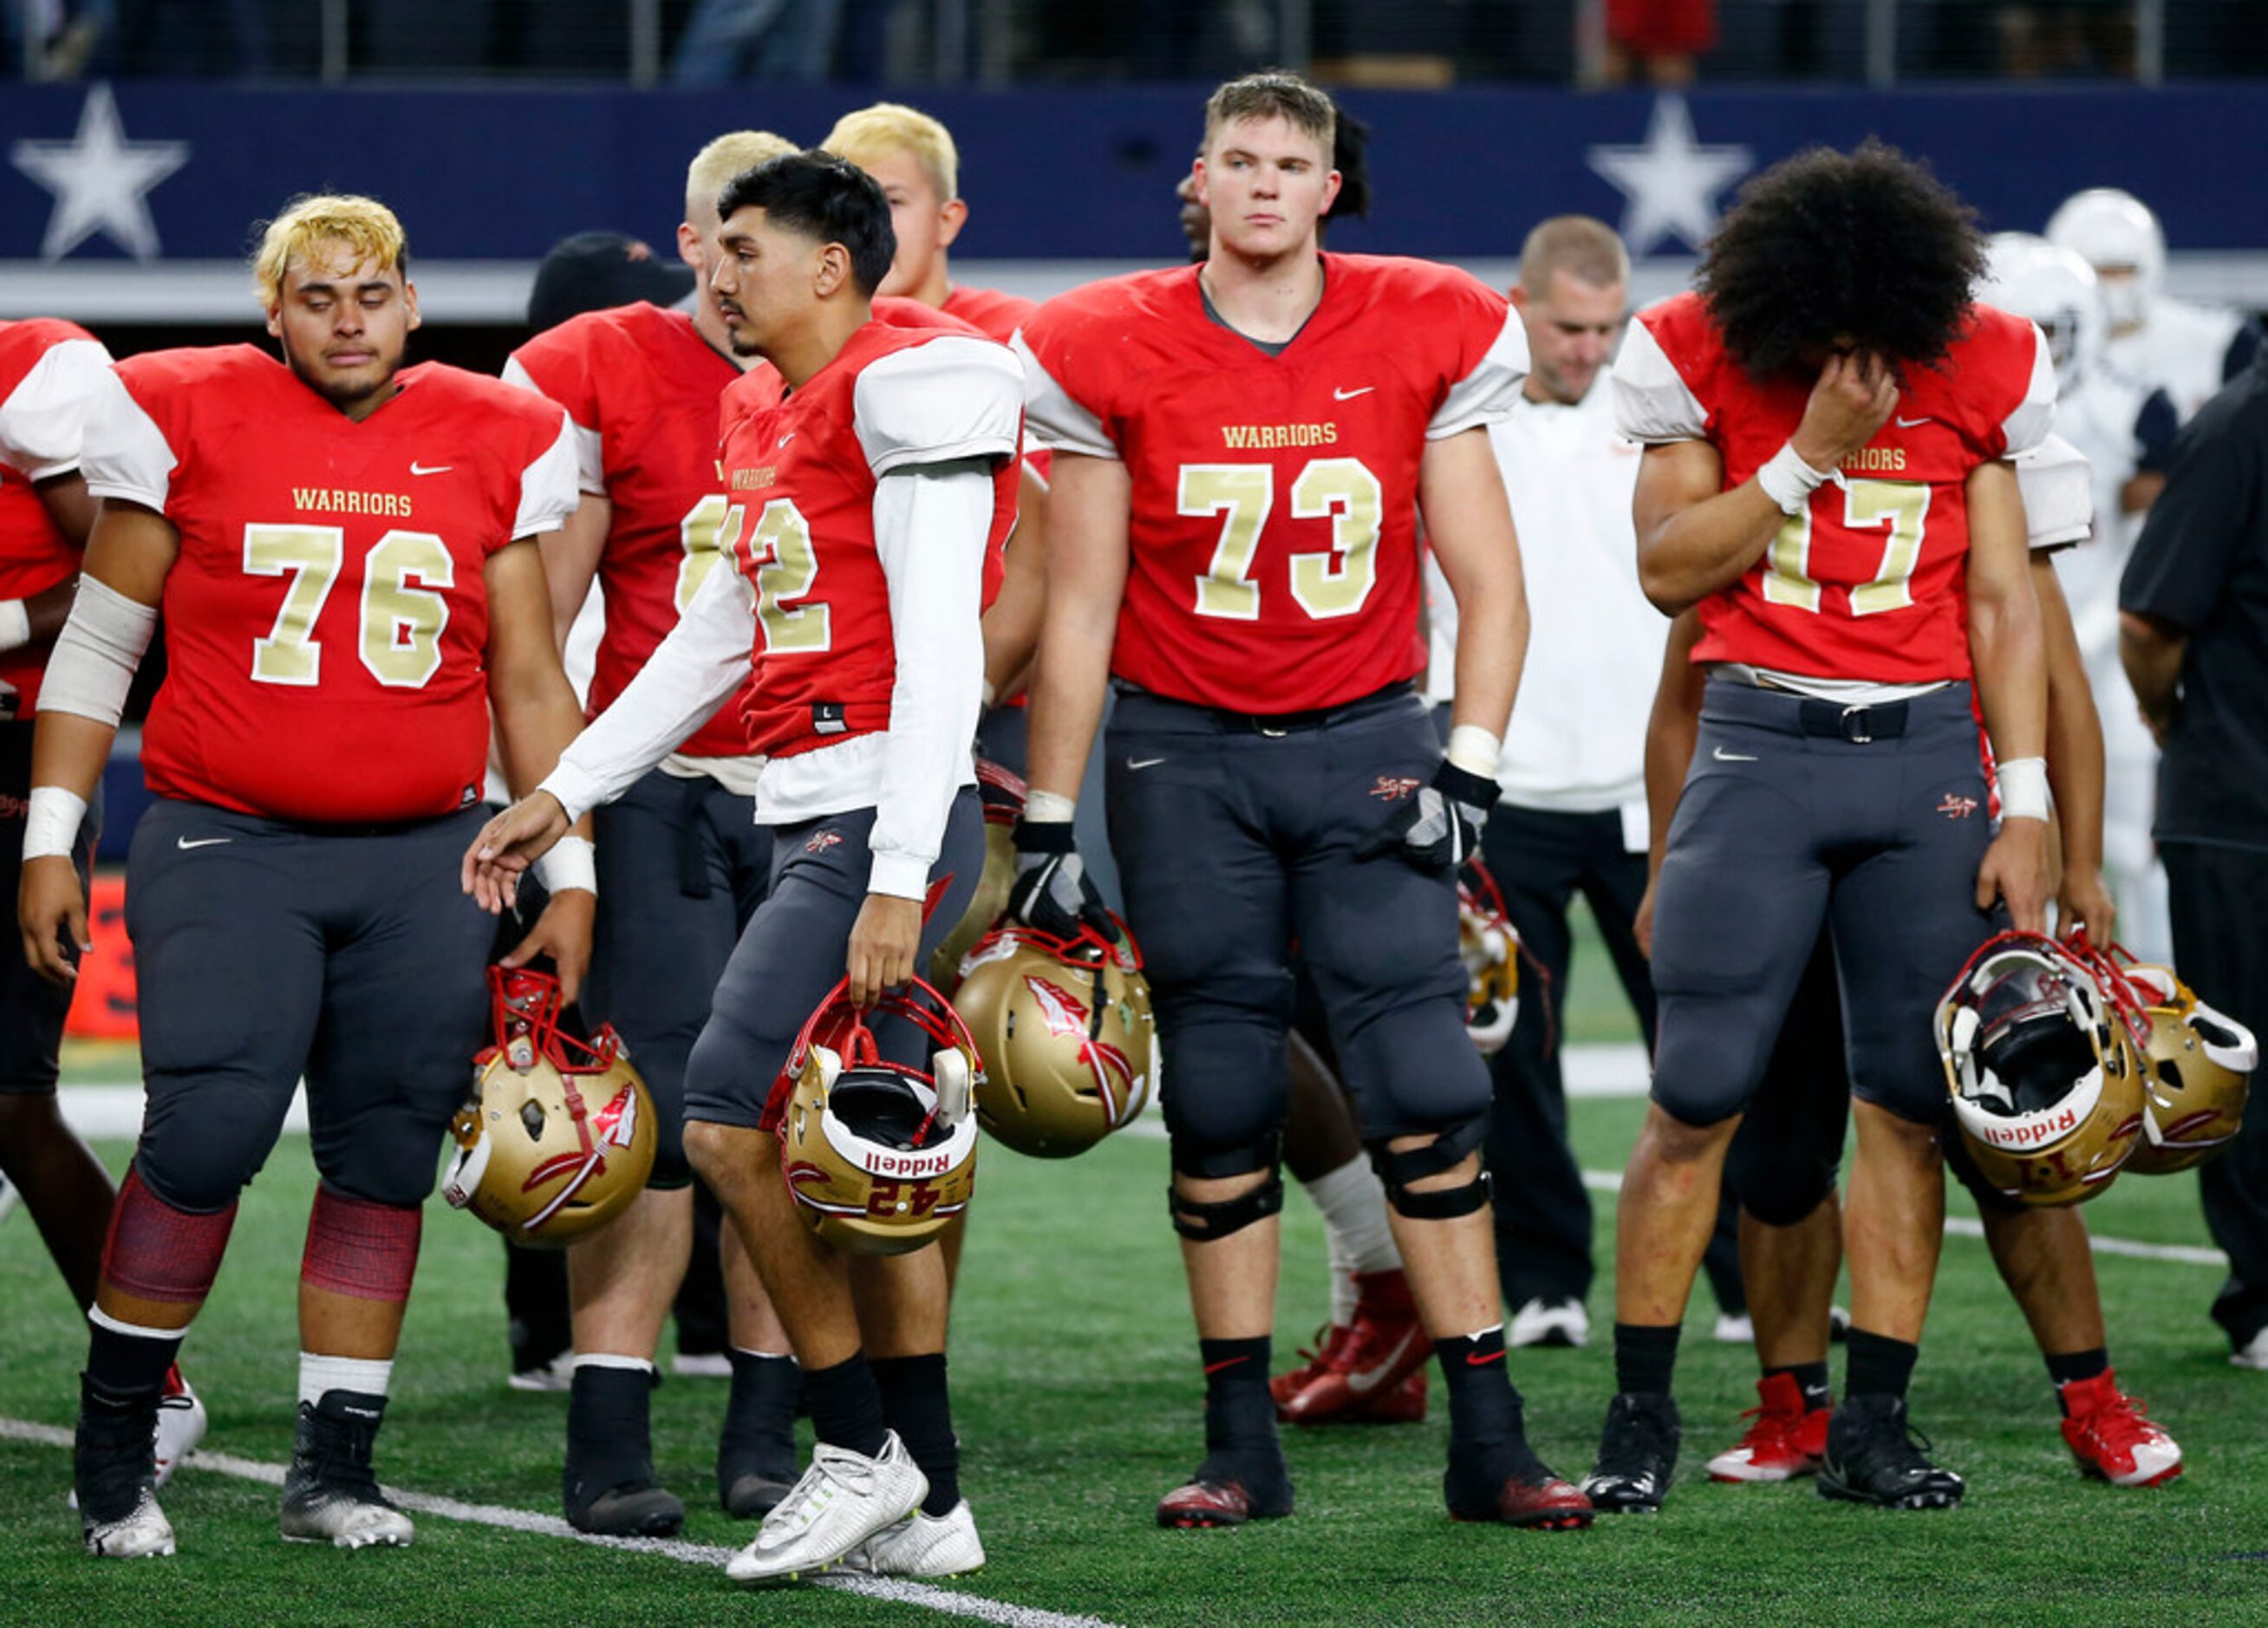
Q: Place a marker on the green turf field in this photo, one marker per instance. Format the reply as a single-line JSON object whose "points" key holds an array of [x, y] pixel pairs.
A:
{"points": [[1079, 1403]]}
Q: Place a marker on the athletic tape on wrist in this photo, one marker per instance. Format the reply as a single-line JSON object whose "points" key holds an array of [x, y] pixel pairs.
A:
{"points": [[2024, 788], [1049, 808], [1475, 750], [52, 821], [15, 624], [1788, 481], [571, 863]]}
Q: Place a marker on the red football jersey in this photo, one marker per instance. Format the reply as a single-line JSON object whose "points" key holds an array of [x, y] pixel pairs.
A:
{"points": [[51, 373], [326, 620], [989, 312], [641, 385], [1273, 538], [801, 474], [1869, 583]]}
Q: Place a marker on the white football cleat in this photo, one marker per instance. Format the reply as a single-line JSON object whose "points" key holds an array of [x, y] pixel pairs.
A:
{"points": [[181, 1423], [329, 1494], [922, 1546], [1549, 1322], [142, 1531], [2253, 1353], [707, 1365], [557, 1374], [1733, 1329], [843, 1500]]}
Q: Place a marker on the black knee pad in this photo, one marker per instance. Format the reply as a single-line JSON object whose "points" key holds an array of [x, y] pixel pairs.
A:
{"points": [[1777, 1183], [1447, 1150], [1208, 1223]]}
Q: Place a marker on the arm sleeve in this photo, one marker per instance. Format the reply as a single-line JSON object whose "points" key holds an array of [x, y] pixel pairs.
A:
{"points": [[2059, 492], [704, 660], [2155, 426], [949, 399], [1654, 405], [126, 453], [548, 490], [2027, 425], [2192, 540], [43, 421], [1057, 420], [590, 448], [931, 528], [1486, 394]]}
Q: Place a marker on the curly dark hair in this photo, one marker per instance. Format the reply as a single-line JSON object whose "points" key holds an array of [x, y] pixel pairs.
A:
{"points": [[1866, 248]]}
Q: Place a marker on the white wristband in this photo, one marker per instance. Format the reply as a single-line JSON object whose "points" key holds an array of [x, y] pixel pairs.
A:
{"points": [[1473, 750], [51, 824], [571, 865], [1049, 808], [2024, 788], [991, 696], [1788, 481], [15, 624]]}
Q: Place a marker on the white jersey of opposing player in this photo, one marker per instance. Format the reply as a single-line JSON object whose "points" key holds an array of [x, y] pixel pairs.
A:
{"points": [[2180, 349]]}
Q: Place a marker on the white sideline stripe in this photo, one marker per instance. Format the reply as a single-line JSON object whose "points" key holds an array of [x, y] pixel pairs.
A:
{"points": [[1962, 1226], [897, 1590]]}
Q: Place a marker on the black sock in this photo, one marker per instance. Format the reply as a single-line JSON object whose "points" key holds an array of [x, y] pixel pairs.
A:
{"points": [[1488, 1439], [1811, 1378], [2071, 1366], [609, 1429], [758, 1431], [1240, 1414], [535, 1306], [126, 1367], [846, 1406], [916, 1404], [1879, 1365], [1646, 1355]]}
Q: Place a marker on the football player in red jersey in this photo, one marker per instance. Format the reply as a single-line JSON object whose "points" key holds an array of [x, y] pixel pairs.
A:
{"points": [[51, 374], [344, 550], [1243, 450], [1827, 425], [867, 510], [684, 863]]}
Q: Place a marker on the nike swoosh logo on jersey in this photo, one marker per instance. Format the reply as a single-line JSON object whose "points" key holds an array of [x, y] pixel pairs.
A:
{"points": [[1913, 424], [1143, 762], [185, 845], [1362, 1382], [1723, 756], [784, 440], [430, 468], [1349, 395]]}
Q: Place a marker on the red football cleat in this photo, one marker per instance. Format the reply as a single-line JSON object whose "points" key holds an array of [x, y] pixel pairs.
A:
{"points": [[2111, 1436], [1787, 1439], [1202, 1502], [1361, 1372], [1541, 1502]]}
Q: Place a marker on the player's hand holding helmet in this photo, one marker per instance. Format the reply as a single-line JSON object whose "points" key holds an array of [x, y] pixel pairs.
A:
{"points": [[1002, 794], [879, 1152], [2045, 1068], [2196, 1066], [1070, 1047], [558, 1135], [1490, 951], [1052, 891]]}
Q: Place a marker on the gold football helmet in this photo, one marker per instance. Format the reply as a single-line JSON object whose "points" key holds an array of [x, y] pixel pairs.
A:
{"points": [[1003, 796], [1070, 1047], [879, 1155], [2045, 1068], [1490, 949], [558, 1135], [2196, 1070]]}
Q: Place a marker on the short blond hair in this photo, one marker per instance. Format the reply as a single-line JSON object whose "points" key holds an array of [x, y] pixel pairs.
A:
{"points": [[1586, 249], [363, 227], [887, 127], [731, 154]]}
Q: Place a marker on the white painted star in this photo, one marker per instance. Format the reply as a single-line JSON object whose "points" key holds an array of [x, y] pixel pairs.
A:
{"points": [[100, 180], [1670, 181]]}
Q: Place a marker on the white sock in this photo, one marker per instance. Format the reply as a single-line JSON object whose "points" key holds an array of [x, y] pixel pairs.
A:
{"points": [[607, 1359], [318, 1374], [1354, 1204]]}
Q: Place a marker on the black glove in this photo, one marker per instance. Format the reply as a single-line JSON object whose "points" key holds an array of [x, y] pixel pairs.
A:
{"points": [[1051, 892], [1440, 827]]}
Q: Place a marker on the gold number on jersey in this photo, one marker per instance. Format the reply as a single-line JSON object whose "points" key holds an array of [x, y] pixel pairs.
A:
{"points": [[702, 531], [786, 567], [310, 556], [1336, 584], [402, 625], [1900, 505], [1243, 493]]}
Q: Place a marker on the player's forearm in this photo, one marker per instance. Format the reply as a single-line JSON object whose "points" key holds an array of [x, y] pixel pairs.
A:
{"points": [[1087, 567], [70, 505], [46, 611], [1685, 555], [1469, 527], [2007, 651], [2074, 731], [2152, 654], [1671, 729], [1012, 625], [1491, 650], [571, 561]]}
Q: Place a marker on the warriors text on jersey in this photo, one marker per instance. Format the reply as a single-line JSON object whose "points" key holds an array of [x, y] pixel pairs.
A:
{"points": [[326, 619], [1273, 550], [51, 372], [640, 385], [1868, 582], [801, 476]]}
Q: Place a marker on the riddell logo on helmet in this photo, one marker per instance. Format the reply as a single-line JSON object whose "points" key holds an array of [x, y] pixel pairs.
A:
{"points": [[2031, 1133], [907, 1164]]}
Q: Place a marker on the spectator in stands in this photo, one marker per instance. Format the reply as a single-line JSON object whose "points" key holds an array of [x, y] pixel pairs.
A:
{"points": [[1657, 40], [729, 39]]}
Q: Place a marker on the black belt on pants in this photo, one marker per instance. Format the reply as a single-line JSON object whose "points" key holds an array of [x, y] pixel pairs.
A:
{"points": [[1281, 723], [1881, 720]]}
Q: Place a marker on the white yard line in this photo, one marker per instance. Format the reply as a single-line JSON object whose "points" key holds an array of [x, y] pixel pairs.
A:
{"points": [[895, 1590]]}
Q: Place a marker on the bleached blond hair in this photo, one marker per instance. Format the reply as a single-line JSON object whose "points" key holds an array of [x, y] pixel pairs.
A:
{"points": [[364, 229], [875, 133], [731, 154]]}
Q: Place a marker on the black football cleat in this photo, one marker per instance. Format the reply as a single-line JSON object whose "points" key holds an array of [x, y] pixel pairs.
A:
{"points": [[1637, 1454], [1874, 1457]]}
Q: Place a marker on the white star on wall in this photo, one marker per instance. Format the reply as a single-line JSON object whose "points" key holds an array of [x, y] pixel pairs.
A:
{"points": [[1670, 181], [100, 180]]}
